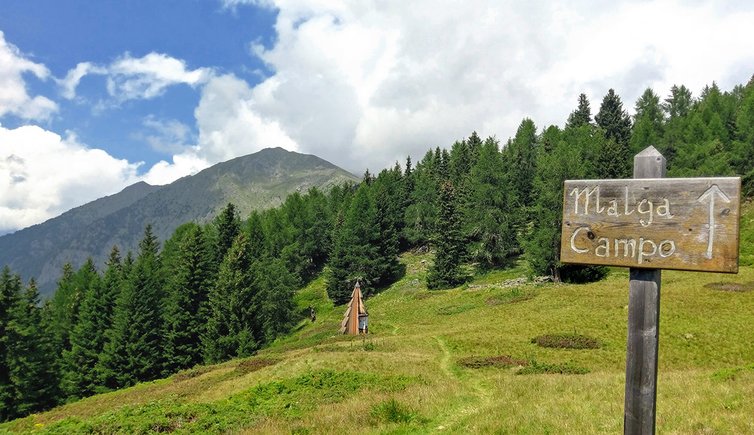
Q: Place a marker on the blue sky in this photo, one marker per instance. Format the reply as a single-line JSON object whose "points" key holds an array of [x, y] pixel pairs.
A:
{"points": [[62, 34], [97, 95]]}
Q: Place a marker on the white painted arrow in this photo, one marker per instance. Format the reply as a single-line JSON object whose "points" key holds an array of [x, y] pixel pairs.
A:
{"points": [[710, 194]]}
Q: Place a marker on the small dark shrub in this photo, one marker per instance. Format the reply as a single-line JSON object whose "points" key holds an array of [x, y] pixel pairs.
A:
{"points": [[538, 368], [500, 361], [566, 341]]}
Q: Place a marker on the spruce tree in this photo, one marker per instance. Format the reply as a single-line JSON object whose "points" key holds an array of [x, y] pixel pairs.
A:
{"points": [[446, 271], [10, 289], [134, 351], [491, 225], [521, 160], [186, 310], [232, 326], [355, 254], [616, 124], [31, 359], [421, 215], [648, 122], [582, 115], [79, 375], [227, 225], [275, 288]]}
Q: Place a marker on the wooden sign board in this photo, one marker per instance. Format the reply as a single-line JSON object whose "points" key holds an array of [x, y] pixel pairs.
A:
{"points": [[654, 223]]}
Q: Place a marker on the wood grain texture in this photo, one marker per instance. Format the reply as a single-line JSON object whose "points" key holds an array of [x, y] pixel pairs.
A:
{"points": [[672, 223]]}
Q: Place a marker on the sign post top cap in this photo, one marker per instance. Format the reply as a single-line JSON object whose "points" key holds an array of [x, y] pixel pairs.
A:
{"points": [[649, 151]]}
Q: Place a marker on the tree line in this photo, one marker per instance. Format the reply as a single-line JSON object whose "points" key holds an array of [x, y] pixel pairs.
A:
{"points": [[224, 289]]}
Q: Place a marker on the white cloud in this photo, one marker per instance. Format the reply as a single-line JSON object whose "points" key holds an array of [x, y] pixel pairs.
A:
{"points": [[363, 84], [43, 175], [130, 78], [14, 98]]}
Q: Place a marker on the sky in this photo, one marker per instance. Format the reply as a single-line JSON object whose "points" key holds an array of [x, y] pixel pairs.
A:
{"points": [[98, 95]]}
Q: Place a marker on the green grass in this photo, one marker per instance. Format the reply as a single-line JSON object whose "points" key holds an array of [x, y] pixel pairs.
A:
{"points": [[461, 361]]}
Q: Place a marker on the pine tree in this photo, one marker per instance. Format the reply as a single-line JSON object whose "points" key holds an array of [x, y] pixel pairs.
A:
{"points": [[491, 225], [421, 214], [615, 122], [79, 375], [356, 251], [446, 271], [648, 122], [31, 359], [186, 310], [388, 219], [133, 351], [582, 115], [232, 326], [275, 288], [228, 225], [521, 159], [10, 289]]}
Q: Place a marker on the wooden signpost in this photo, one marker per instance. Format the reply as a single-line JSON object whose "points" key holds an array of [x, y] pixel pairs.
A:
{"points": [[649, 223]]}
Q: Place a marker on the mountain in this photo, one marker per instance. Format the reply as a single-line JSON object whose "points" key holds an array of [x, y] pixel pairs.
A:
{"points": [[253, 182]]}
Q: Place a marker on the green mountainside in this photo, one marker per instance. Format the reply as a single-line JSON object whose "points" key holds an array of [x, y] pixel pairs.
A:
{"points": [[257, 181], [500, 354]]}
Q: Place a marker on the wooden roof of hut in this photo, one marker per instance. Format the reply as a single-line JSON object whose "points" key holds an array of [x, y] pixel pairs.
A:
{"points": [[356, 309]]}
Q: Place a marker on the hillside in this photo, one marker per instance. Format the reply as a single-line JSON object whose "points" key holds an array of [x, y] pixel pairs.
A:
{"points": [[461, 360], [257, 181]]}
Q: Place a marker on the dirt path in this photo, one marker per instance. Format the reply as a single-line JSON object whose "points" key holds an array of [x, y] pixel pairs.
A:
{"points": [[481, 397]]}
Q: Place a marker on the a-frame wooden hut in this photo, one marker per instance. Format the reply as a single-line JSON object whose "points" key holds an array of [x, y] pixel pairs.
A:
{"points": [[356, 318]]}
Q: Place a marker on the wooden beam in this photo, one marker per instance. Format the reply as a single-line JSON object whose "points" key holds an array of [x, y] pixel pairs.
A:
{"points": [[643, 325]]}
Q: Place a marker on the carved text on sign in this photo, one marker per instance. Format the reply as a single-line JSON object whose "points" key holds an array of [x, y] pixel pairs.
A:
{"points": [[689, 224]]}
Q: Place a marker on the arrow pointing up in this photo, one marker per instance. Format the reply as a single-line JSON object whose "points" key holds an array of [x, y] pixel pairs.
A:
{"points": [[710, 195]]}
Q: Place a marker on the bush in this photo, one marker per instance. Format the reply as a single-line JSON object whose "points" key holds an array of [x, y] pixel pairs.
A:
{"points": [[537, 368], [566, 341], [500, 361]]}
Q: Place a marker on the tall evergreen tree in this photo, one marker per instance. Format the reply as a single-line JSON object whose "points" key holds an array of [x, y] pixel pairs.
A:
{"points": [[616, 123], [648, 122], [134, 350], [491, 223], [10, 289], [186, 311], [232, 324], [79, 375], [446, 271], [275, 287], [582, 115], [228, 225], [31, 359], [521, 159], [356, 251], [421, 214]]}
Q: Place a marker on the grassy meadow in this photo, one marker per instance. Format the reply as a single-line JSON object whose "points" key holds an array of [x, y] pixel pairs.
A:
{"points": [[463, 360]]}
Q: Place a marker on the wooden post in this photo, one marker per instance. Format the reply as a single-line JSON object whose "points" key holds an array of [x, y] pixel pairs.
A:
{"points": [[643, 325]]}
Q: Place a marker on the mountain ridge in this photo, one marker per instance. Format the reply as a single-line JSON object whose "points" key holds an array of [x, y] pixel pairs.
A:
{"points": [[256, 181]]}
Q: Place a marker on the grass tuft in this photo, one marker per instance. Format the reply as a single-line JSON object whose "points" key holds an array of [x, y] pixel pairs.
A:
{"points": [[392, 411]]}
